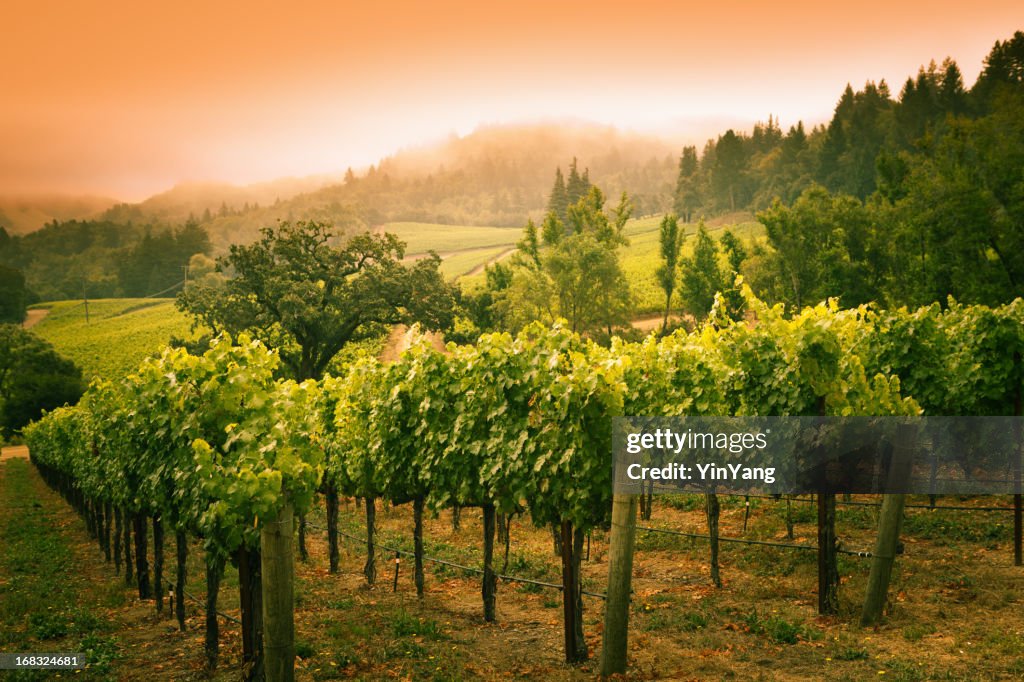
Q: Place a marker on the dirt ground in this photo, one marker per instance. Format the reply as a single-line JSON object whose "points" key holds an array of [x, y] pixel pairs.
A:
{"points": [[954, 611]]}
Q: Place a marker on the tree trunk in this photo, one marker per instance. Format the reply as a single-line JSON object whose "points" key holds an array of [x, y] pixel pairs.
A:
{"points": [[500, 521], [1018, 501], [569, 589], [417, 536], [370, 569], [556, 537], [129, 570], [303, 554], [90, 518], [158, 562], [250, 594], [614, 647], [141, 561], [108, 512], [490, 581], [456, 517], [117, 540], [712, 510], [508, 542], [332, 527], [214, 571], [668, 303], [828, 568], [789, 517], [279, 595], [577, 579], [179, 579]]}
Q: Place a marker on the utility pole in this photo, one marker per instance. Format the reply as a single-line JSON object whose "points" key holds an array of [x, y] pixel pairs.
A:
{"points": [[185, 285], [85, 300]]}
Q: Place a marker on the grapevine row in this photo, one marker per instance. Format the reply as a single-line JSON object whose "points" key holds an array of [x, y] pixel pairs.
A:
{"points": [[216, 446]]}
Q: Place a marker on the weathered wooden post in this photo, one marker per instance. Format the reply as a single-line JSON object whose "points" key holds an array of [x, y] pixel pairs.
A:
{"points": [[278, 595], [614, 647], [890, 519]]}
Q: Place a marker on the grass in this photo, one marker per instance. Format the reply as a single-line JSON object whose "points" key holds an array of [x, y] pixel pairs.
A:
{"points": [[639, 259], [44, 604], [947, 621], [423, 237], [464, 262], [120, 333]]}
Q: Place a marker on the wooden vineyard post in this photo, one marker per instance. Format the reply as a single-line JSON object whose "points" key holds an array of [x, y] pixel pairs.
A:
{"points": [[214, 573], [1018, 507], [181, 551], [250, 593], [418, 545], [332, 527], [370, 568], [828, 567], [712, 510], [117, 540], [828, 578], [572, 654], [614, 647], [278, 596], [490, 580], [158, 562], [141, 562], [889, 521]]}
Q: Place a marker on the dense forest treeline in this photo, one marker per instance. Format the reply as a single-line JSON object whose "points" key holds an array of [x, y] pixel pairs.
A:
{"points": [[863, 148], [102, 259], [904, 201]]}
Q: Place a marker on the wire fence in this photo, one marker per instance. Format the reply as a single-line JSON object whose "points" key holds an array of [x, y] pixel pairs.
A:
{"points": [[452, 564]]}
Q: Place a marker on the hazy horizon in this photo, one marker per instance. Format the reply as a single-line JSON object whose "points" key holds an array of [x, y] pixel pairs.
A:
{"points": [[126, 101]]}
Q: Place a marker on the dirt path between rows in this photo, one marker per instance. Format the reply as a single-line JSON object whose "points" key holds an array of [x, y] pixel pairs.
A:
{"points": [[480, 268], [33, 317], [654, 322], [13, 452]]}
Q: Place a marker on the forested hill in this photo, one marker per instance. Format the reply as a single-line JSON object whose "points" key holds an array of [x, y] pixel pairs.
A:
{"points": [[876, 137], [498, 175]]}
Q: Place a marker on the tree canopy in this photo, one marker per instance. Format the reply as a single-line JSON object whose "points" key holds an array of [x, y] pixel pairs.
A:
{"points": [[307, 291], [33, 378]]}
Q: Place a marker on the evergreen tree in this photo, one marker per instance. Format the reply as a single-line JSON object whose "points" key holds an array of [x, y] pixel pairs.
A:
{"points": [[577, 185], [727, 176], [12, 295], [558, 200], [669, 242], [701, 275], [687, 196]]}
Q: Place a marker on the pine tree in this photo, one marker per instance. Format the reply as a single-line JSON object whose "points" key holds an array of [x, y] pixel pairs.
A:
{"points": [[558, 200], [666, 272], [578, 185], [687, 197], [701, 275]]}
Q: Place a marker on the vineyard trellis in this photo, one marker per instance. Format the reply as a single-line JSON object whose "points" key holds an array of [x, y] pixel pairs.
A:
{"points": [[215, 446]]}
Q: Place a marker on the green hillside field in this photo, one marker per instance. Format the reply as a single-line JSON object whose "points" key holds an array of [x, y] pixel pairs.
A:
{"points": [[120, 334], [640, 258]]}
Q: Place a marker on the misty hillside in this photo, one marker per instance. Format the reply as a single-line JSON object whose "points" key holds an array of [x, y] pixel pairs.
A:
{"points": [[498, 175], [206, 200], [24, 214]]}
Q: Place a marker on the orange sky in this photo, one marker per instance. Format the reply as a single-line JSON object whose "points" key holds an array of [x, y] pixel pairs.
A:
{"points": [[128, 98]]}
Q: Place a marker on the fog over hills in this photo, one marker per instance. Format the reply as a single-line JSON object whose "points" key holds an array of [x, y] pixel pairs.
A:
{"points": [[496, 175], [20, 214]]}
